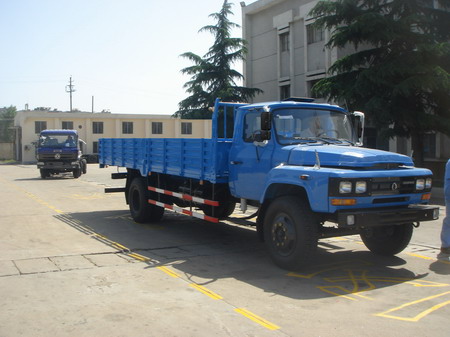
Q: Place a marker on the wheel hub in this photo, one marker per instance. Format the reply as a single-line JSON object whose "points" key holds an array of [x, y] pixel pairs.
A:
{"points": [[283, 235]]}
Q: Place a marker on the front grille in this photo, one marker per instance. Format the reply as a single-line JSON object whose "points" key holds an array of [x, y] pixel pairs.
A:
{"points": [[63, 156], [392, 185]]}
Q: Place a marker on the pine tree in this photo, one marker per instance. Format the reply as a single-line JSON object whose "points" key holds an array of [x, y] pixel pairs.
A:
{"points": [[212, 76], [399, 72]]}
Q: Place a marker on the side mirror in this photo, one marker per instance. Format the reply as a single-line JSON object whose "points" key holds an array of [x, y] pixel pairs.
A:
{"points": [[266, 125], [359, 127], [266, 120]]}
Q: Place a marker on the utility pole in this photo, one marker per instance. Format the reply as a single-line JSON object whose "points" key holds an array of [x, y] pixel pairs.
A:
{"points": [[70, 89]]}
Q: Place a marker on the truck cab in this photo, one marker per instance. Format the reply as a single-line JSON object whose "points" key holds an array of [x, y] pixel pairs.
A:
{"points": [[303, 165], [60, 151]]}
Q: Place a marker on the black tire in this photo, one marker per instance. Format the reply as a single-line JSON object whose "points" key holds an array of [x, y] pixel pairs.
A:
{"points": [[84, 166], [290, 232], [77, 173], [223, 211], [141, 211], [387, 240], [44, 173]]}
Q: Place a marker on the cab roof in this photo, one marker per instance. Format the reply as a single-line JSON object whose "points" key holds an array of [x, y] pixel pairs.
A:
{"points": [[59, 132]]}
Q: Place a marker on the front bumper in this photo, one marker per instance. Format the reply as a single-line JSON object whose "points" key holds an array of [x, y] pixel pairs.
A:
{"points": [[388, 216], [56, 165]]}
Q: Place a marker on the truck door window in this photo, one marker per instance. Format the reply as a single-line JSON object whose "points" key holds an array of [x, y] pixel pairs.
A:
{"points": [[252, 124]]}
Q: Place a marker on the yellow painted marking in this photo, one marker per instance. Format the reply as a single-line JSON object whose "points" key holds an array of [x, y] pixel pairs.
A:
{"points": [[329, 267], [168, 271], [326, 289], [138, 257], [257, 319], [420, 256], [428, 258], [206, 291], [420, 315]]}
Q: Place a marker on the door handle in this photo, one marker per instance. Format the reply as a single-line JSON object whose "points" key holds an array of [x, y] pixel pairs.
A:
{"points": [[235, 162]]}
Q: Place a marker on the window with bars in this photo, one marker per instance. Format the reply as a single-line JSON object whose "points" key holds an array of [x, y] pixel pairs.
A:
{"points": [[157, 128], [67, 125], [97, 127], [127, 128], [314, 34], [39, 126], [186, 128]]}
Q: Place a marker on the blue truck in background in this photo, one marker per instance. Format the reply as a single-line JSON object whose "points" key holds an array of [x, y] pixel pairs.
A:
{"points": [[60, 151], [300, 163]]}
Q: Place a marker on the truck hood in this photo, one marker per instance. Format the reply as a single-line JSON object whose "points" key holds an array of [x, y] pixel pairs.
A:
{"points": [[344, 156]]}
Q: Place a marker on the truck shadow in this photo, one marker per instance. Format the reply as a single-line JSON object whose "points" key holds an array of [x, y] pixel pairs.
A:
{"points": [[203, 253]]}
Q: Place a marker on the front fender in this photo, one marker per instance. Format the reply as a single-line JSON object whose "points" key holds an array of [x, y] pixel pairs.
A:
{"points": [[313, 181]]}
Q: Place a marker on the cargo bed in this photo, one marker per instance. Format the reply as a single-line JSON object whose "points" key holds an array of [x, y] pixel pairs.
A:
{"points": [[202, 159]]}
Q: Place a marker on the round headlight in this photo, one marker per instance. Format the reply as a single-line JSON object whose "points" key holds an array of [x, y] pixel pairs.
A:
{"points": [[345, 187], [428, 183]]}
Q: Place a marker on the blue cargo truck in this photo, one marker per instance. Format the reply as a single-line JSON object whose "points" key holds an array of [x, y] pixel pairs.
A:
{"points": [[60, 151], [300, 163]]}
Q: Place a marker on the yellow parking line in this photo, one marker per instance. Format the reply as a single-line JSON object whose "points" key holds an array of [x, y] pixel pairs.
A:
{"points": [[168, 271], [428, 258], [257, 319], [206, 291], [138, 257], [420, 315]]}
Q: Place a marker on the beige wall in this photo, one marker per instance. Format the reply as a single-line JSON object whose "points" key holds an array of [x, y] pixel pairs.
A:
{"points": [[112, 127], [6, 151]]}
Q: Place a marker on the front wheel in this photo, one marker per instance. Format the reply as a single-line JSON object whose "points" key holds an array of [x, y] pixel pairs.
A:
{"points": [[44, 173], [387, 240], [290, 232], [76, 173]]}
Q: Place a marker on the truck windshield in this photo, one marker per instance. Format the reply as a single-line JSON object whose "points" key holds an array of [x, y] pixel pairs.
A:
{"points": [[299, 125], [57, 141]]}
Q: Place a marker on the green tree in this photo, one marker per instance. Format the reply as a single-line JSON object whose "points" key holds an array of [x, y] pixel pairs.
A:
{"points": [[7, 115], [212, 75], [399, 72]]}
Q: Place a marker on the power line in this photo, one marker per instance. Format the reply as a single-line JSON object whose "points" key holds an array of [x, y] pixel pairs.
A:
{"points": [[70, 89]]}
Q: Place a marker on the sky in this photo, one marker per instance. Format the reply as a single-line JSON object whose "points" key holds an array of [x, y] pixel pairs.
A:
{"points": [[124, 53]]}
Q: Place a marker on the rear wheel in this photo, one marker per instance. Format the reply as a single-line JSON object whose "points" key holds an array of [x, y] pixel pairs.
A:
{"points": [[290, 232], [141, 211], [387, 240]]}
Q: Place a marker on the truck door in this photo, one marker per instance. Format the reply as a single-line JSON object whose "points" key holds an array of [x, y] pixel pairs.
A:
{"points": [[250, 161]]}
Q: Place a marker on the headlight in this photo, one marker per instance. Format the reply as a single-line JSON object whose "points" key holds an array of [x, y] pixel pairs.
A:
{"points": [[361, 187], [428, 183], [420, 184], [345, 187]]}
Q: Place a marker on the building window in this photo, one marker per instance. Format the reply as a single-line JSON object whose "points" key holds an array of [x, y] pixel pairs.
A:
{"points": [[285, 91], [310, 86], [314, 34], [67, 125], [157, 128], [39, 126], [284, 42], [97, 127], [186, 128], [127, 128], [429, 145], [95, 147]]}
